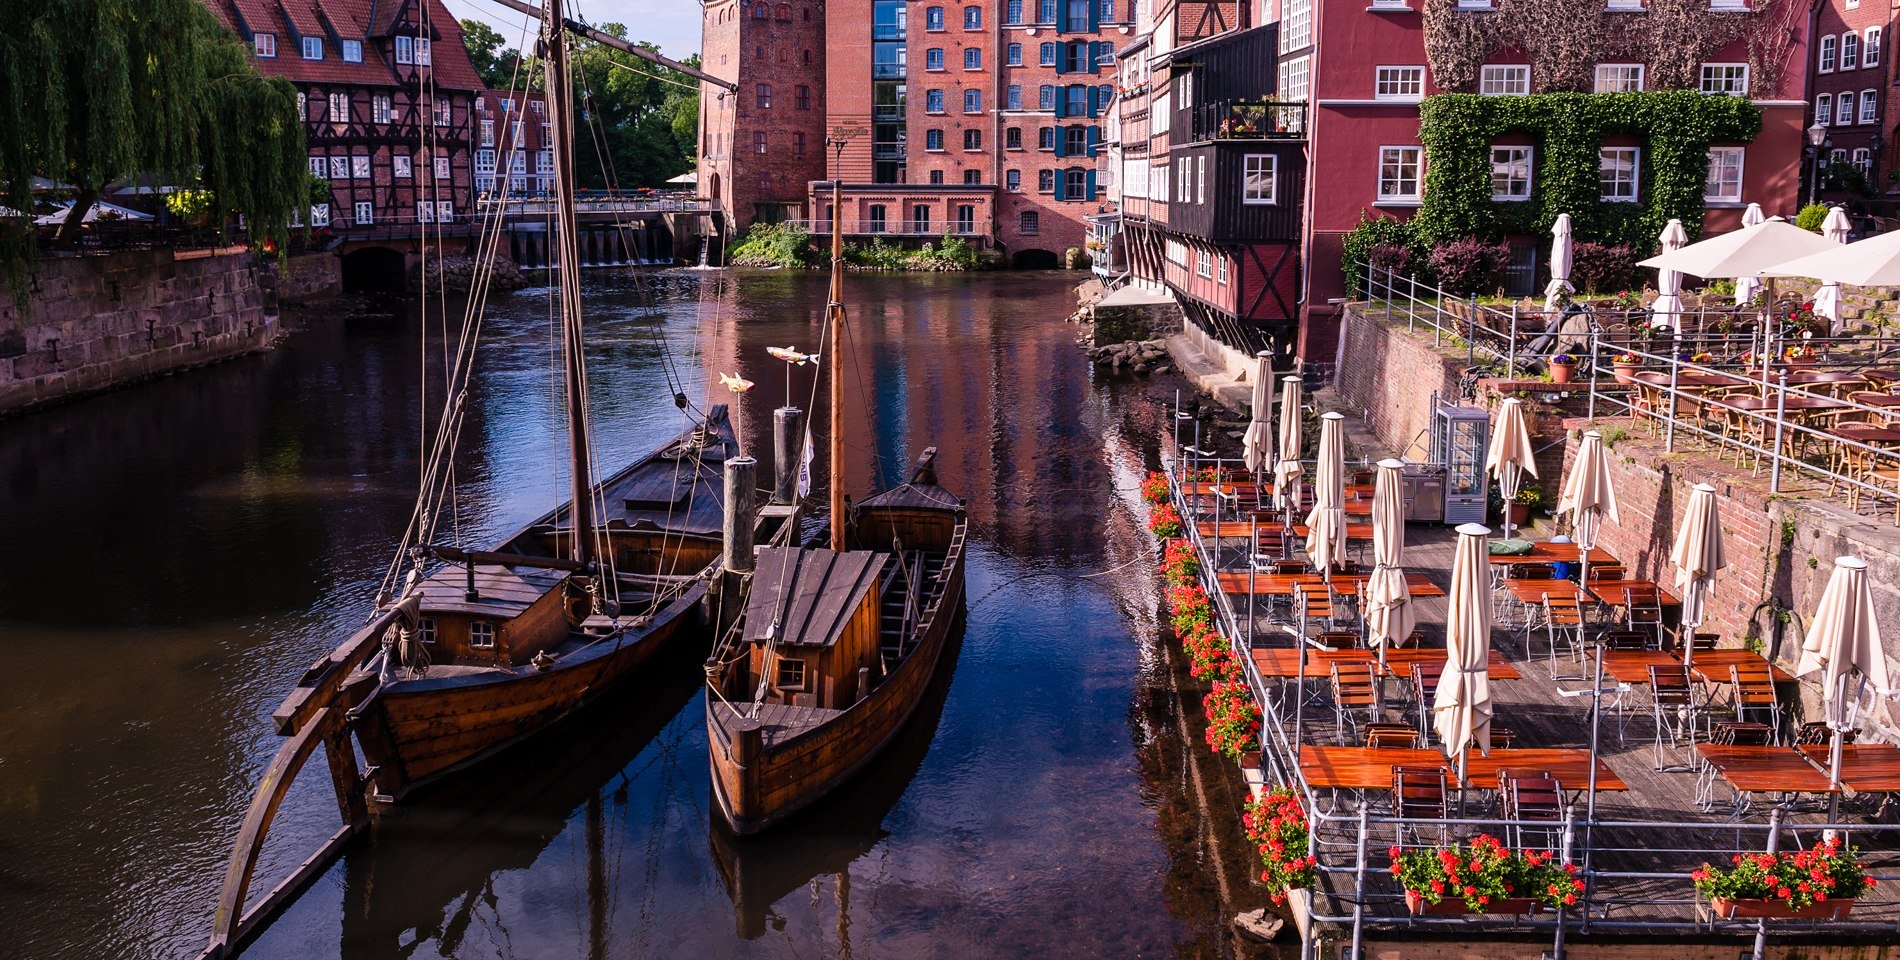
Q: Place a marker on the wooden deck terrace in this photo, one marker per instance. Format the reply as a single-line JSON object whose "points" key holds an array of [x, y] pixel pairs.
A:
{"points": [[1635, 847]]}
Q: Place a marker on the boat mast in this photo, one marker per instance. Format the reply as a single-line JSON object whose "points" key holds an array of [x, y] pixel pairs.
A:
{"points": [[560, 125], [836, 335]]}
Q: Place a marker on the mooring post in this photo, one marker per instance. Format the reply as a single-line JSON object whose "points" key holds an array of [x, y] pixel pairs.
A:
{"points": [[741, 485], [1774, 847], [788, 453]]}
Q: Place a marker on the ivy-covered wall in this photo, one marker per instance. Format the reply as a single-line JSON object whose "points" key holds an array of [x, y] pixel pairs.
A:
{"points": [[1674, 128]]}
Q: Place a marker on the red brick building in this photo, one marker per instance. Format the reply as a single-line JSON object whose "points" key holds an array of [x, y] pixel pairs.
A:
{"points": [[1849, 88], [979, 119], [514, 148]]}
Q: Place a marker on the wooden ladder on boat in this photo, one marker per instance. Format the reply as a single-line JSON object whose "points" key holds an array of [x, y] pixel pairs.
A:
{"points": [[898, 609]]}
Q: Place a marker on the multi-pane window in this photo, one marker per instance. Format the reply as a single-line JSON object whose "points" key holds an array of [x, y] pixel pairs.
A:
{"points": [[1510, 173], [319, 214], [1296, 25], [1399, 83], [1619, 77], [804, 97], [875, 215], [1200, 179], [1013, 98], [400, 165], [1045, 181], [1863, 160], [798, 143], [1730, 79], [1031, 223], [972, 58], [352, 51], [1013, 180], [1844, 110], [481, 633], [920, 216], [972, 18], [1400, 170], [313, 48], [1075, 184], [972, 177], [265, 44], [1013, 138], [1824, 109], [1046, 138], [405, 49], [936, 178], [1047, 52], [1869, 106], [485, 161], [1075, 141], [1203, 263], [444, 112], [319, 167], [1504, 79], [1184, 180], [1617, 169], [1107, 14], [1013, 11], [380, 110], [1259, 180], [339, 108], [422, 51], [933, 58], [1013, 55], [1829, 44], [758, 142], [972, 101], [1046, 97], [1870, 50], [339, 168], [442, 167], [1850, 51], [1046, 11], [1078, 101], [933, 139], [359, 168], [972, 139], [762, 96], [365, 212], [933, 101], [1725, 175], [933, 18]]}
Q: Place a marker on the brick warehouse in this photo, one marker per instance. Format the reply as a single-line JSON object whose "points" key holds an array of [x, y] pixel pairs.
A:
{"points": [[982, 120]]}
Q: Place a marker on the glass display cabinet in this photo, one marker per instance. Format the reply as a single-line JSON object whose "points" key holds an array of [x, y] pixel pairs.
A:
{"points": [[1459, 436]]}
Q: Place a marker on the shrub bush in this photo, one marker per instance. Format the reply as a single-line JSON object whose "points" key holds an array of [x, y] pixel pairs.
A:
{"points": [[1601, 268], [1811, 217], [1468, 265], [775, 245], [1381, 241]]}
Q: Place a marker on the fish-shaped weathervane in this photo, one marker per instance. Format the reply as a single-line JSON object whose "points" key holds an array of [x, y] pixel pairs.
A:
{"points": [[735, 384], [791, 355]]}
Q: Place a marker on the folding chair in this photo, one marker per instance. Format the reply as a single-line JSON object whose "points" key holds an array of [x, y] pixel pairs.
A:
{"points": [[1726, 733], [1503, 738], [1531, 797], [1420, 793], [1352, 690], [1672, 706], [1755, 694], [1424, 688], [1340, 640], [1642, 612], [1563, 622], [1607, 571], [1817, 733], [1626, 640], [1389, 736]]}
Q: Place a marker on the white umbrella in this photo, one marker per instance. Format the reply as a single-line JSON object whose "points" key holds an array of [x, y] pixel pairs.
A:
{"points": [[1559, 264], [1747, 253], [1827, 300], [1698, 554], [1746, 287], [1286, 472], [1844, 640], [1326, 522], [1510, 456], [1668, 305], [1873, 262], [1461, 707], [1389, 617], [1589, 497], [1257, 446]]}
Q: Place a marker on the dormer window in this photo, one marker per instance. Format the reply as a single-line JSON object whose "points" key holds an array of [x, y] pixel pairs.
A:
{"points": [[352, 51], [313, 48], [405, 49], [265, 44]]}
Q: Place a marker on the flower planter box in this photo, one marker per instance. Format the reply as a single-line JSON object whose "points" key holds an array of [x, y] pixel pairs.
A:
{"points": [[1455, 906], [1779, 910]]}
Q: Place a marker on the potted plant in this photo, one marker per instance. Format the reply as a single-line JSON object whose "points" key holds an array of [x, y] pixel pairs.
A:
{"points": [[1563, 367], [1800, 354], [1520, 505], [1821, 882], [1625, 365], [1165, 522], [1483, 877], [1276, 823]]}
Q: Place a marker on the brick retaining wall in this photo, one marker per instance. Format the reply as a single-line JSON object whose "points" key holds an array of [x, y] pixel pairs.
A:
{"points": [[1392, 376]]}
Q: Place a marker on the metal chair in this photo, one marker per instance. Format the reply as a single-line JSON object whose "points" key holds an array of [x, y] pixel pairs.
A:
{"points": [[1531, 797], [1424, 687], [1420, 793], [1642, 611], [1625, 640], [1673, 707], [1563, 621], [1399, 736], [1816, 733], [1352, 690], [1755, 694]]}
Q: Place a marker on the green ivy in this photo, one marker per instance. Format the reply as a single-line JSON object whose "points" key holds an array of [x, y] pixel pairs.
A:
{"points": [[1674, 128]]}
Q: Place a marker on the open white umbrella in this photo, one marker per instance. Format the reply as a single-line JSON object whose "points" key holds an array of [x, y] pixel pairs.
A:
{"points": [[1668, 305], [1326, 522], [1589, 498], [1257, 445], [1287, 471], [1873, 262], [1827, 300], [1461, 707], [1698, 555], [1389, 617], [1510, 455], [1844, 641], [1747, 287], [1559, 286]]}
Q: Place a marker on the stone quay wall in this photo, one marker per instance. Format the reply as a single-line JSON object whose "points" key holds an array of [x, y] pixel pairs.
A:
{"points": [[310, 277], [93, 322]]}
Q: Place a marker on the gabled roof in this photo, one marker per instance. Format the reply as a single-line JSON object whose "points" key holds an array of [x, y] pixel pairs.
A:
{"points": [[337, 20], [805, 596]]}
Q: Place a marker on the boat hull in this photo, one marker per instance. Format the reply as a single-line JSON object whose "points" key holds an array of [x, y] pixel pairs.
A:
{"points": [[758, 785]]}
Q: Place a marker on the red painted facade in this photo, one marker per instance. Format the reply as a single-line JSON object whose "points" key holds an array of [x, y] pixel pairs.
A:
{"points": [[1848, 63]]}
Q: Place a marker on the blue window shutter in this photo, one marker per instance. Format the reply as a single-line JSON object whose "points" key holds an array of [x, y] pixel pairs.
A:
{"points": [[1095, 17], [1062, 59], [1062, 142], [1095, 139], [1091, 184], [1061, 182], [1095, 52], [1095, 101], [1062, 102]]}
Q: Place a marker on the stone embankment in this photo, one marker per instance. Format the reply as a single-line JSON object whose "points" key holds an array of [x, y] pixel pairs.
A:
{"points": [[455, 273]]}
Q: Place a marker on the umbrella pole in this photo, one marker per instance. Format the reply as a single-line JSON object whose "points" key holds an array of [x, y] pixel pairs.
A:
{"points": [[1596, 722], [1253, 565], [1299, 695]]}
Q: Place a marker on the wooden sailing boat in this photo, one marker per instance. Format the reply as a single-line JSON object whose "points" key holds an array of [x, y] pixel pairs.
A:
{"points": [[836, 645], [484, 648]]}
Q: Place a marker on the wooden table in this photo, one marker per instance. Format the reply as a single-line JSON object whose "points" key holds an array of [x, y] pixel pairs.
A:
{"points": [[1632, 666], [1227, 529], [1354, 530], [1867, 433], [1533, 592], [1361, 768], [1712, 666], [1568, 765], [1282, 584], [1793, 404], [1283, 663], [1616, 593], [1865, 767], [1544, 551], [1765, 769]]}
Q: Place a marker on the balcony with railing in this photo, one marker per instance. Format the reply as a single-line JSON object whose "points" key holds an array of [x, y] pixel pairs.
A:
{"points": [[893, 228], [1247, 119]]}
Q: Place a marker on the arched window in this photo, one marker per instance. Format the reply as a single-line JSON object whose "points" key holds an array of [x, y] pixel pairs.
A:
{"points": [[758, 12], [1013, 12]]}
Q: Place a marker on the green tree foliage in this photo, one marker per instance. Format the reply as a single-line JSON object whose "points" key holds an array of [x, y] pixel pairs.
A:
{"points": [[92, 91], [494, 60], [639, 120]]}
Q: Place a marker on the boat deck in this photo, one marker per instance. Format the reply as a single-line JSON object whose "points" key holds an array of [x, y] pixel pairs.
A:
{"points": [[780, 722]]}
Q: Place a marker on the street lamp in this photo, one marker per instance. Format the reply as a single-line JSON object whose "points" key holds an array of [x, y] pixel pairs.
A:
{"points": [[1817, 135]]}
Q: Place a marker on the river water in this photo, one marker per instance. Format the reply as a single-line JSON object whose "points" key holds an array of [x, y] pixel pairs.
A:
{"points": [[178, 551]]}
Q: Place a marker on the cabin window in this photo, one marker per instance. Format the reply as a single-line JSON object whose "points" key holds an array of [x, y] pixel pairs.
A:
{"points": [[791, 674], [425, 629], [481, 634]]}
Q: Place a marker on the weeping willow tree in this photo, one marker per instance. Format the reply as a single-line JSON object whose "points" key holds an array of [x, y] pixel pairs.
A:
{"points": [[93, 91]]}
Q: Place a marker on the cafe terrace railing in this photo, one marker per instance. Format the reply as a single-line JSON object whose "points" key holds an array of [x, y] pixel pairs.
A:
{"points": [[1507, 342], [1635, 869]]}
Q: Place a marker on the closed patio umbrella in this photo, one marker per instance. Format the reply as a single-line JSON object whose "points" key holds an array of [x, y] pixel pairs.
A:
{"points": [[1461, 707], [1589, 497], [1287, 471], [1844, 640], [1326, 522], [1510, 455], [1827, 300], [1698, 555], [1559, 286], [1257, 445], [1389, 617], [1747, 287], [1668, 306]]}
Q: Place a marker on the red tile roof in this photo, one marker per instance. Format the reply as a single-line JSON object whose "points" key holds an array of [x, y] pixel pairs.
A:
{"points": [[338, 20]]}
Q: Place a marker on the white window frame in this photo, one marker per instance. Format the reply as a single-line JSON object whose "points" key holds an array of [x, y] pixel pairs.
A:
{"points": [[359, 167], [381, 109], [1399, 84], [1870, 52], [442, 168], [1220, 270], [352, 51], [1825, 59], [445, 211], [1824, 109], [313, 48], [1200, 179], [1518, 153], [485, 161], [1720, 187], [423, 57], [1635, 174], [1504, 79], [1870, 106], [405, 49], [1260, 179], [331, 105], [1203, 263], [1850, 51], [365, 212], [481, 634], [320, 166], [1620, 83], [1863, 160], [1844, 109], [339, 168], [264, 45], [319, 214], [1398, 154], [1727, 89], [402, 166]]}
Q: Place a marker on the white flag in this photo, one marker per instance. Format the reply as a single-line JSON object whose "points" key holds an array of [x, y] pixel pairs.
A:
{"points": [[804, 467]]}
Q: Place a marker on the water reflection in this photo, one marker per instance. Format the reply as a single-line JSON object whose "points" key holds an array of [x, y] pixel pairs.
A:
{"points": [[197, 541]]}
